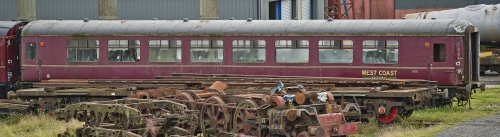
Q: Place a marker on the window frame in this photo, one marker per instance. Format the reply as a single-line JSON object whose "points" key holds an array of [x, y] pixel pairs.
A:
{"points": [[78, 42], [443, 45], [376, 46], [118, 42], [332, 46], [35, 50], [176, 46], [210, 46], [294, 44], [253, 45]]}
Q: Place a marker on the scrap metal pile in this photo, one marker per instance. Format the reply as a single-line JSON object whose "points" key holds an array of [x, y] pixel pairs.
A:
{"points": [[212, 112], [223, 105]]}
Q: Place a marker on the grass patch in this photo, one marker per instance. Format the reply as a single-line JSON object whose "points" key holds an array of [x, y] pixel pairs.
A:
{"points": [[484, 103], [33, 126]]}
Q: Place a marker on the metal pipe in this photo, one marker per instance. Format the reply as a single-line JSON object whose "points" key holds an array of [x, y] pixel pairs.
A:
{"points": [[486, 18]]}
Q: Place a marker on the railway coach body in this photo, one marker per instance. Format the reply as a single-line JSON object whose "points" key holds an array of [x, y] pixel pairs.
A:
{"points": [[440, 50], [9, 65]]}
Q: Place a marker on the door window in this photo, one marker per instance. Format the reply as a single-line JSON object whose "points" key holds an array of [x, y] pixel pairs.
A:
{"points": [[439, 52], [30, 51]]}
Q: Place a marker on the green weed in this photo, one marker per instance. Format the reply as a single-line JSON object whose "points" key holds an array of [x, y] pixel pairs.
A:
{"points": [[34, 126]]}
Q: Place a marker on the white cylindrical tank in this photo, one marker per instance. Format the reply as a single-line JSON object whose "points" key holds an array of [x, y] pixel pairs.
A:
{"points": [[485, 17]]}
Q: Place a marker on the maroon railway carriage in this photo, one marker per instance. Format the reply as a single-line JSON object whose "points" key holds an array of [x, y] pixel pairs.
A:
{"points": [[9, 65], [440, 50]]}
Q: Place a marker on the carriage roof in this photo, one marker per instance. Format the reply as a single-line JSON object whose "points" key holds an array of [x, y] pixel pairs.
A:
{"points": [[398, 27]]}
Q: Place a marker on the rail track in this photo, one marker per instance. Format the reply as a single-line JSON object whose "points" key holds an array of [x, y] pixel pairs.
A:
{"points": [[491, 79]]}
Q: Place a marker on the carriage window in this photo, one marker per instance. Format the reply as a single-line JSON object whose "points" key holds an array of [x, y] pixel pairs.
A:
{"points": [[292, 51], [206, 50], [249, 51], [335, 51], [165, 51], [30, 51], [380, 51], [124, 51], [83, 51], [439, 52]]}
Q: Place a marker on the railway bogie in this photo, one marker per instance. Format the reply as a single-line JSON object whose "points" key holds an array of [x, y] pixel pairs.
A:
{"points": [[249, 114]]}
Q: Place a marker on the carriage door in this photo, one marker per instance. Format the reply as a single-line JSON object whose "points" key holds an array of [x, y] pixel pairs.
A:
{"points": [[475, 46], [437, 65]]}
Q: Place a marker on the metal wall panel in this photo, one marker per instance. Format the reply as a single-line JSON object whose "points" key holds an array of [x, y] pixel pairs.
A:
{"points": [[318, 9], [8, 10], [382, 9], [238, 9], [306, 9], [487, 1], [264, 9], [66, 9], [161, 9], [286, 9]]}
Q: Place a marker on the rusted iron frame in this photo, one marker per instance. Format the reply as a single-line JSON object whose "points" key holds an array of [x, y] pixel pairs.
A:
{"points": [[351, 5], [187, 78], [298, 81], [235, 76], [128, 101], [79, 92], [273, 85], [105, 85]]}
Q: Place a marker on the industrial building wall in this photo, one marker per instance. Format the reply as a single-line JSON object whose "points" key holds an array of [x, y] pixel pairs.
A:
{"points": [[8, 10], [164, 9], [238, 9], [66, 9], [161, 9], [305, 8]]}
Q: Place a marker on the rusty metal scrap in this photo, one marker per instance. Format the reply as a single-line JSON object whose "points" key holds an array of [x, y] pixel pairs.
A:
{"points": [[253, 106], [138, 116], [215, 113]]}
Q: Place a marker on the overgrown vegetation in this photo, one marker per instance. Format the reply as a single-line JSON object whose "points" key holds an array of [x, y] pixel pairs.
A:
{"points": [[33, 126], [484, 103]]}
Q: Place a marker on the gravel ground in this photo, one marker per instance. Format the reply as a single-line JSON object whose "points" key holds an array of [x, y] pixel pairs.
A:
{"points": [[484, 127]]}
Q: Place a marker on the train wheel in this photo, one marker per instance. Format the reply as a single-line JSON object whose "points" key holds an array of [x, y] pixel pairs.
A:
{"points": [[392, 114], [303, 134], [213, 118], [186, 97], [242, 118], [188, 125]]}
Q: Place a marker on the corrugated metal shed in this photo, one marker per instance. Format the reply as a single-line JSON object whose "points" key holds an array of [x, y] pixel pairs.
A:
{"points": [[238, 9], [286, 9], [306, 9], [5, 26], [243, 27], [66, 9], [8, 10], [161, 9]]}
